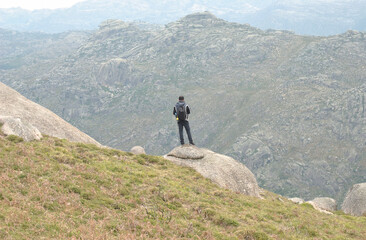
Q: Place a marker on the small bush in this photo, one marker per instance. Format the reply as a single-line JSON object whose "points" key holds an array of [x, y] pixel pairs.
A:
{"points": [[75, 189], [14, 139], [224, 221], [307, 205]]}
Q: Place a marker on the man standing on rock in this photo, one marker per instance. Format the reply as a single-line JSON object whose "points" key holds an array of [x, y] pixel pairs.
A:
{"points": [[181, 112]]}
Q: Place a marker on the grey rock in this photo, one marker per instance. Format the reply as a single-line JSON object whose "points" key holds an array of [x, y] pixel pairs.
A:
{"points": [[316, 207], [355, 200], [14, 126], [221, 169], [325, 203], [187, 152], [137, 150]]}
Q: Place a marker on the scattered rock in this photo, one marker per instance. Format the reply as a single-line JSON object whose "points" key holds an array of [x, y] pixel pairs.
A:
{"points": [[297, 200], [221, 169], [325, 203], [138, 150], [15, 126], [315, 206], [355, 200]]}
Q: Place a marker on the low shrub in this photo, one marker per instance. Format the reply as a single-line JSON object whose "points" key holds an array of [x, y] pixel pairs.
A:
{"points": [[14, 139]]}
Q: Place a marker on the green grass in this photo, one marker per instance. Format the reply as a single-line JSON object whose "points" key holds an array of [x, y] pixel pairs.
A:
{"points": [[55, 189]]}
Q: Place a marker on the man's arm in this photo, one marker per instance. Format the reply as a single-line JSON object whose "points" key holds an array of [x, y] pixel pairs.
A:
{"points": [[174, 111], [188, 110]]}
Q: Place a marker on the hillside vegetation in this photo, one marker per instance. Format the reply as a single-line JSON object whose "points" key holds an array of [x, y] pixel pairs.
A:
{"points": [[57, 189]]}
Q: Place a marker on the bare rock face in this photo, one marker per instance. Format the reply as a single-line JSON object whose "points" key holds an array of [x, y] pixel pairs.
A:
{"points": [[137, 150], [221, 169], [355, 201], [325, 203], [187, 152], [31, 114], [14, 126], [297, 200]]}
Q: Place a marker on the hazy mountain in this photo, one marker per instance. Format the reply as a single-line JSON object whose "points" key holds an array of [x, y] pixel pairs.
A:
{"points": [[19, 49], [322, 17], [290, 107]]}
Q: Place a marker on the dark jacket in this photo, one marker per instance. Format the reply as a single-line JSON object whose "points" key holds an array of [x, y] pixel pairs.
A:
{"points": [[188, 111]]}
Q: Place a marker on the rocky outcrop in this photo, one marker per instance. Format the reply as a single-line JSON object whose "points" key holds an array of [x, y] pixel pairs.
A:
{"points": [[14, 126], [137, 150], [325, 203], [355, 201], [221, 169], [316, 207], [27, 116]]}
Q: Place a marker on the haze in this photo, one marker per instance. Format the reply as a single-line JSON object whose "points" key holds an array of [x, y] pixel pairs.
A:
{"points": [[39, 4]]}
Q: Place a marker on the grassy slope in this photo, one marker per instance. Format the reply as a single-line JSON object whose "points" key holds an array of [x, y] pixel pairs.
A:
{"points": [[57, 189]]}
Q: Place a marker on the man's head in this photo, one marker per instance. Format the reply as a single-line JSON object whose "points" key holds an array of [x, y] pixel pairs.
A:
{"points": [[181, 98]]}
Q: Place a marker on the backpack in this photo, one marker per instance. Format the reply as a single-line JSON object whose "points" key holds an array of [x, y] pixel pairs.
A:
{"points": [[181, 111]]}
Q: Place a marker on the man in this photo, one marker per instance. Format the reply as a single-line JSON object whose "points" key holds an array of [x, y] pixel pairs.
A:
{"points": [[181, 112]]}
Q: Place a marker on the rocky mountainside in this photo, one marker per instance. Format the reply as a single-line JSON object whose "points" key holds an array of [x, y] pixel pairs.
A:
{"points": [[290, 107], [313, 17], [14, 105], [18, 49]]}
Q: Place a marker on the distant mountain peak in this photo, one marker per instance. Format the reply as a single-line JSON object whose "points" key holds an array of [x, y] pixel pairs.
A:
{"points": [[200, 17], [113, 23]]}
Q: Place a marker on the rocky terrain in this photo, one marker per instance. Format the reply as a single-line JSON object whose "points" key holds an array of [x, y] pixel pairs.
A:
{"points": [[25, 49], [28, 120], [290, 107], [221, 169]]}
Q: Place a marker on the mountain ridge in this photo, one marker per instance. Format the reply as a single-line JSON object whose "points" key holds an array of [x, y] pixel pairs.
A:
{"points": [[310, 17]]}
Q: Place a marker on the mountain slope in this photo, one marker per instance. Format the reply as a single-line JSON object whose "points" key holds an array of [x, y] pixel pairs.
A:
{"points": [[290, 107], [15, 105], [57, 189], [18, 49]]}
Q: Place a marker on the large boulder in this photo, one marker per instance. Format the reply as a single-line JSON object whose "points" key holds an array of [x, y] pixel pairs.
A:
{"points": [[14, 126], [14, 104], [221, 169], [355, 200], [137, 150], [325, 203]]}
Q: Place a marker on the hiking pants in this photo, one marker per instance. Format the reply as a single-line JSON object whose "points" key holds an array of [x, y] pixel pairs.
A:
{"points": [[184, 124]]}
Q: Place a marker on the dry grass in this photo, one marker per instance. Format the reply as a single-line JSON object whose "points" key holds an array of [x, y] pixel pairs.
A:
{"points": [[55, 189]]}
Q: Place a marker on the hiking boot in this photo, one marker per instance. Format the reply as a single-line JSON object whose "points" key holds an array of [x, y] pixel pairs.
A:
{"points": [[192, 144]]}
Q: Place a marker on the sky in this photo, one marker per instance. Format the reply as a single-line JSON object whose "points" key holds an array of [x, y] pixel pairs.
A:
{"points": [[38, 4]]}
